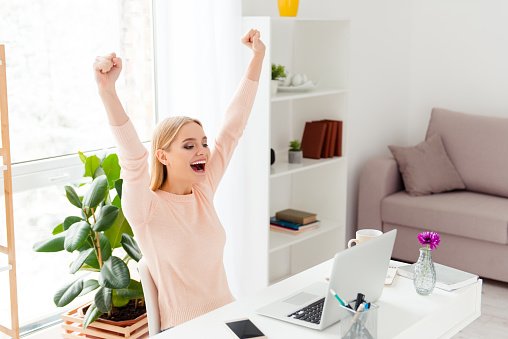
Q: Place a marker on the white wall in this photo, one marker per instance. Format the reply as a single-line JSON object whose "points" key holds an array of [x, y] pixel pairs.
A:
{"points": [[459, 59], [379, 75]]}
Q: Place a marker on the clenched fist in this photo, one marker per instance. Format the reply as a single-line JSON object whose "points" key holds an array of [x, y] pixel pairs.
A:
{"points": [[251, 40], [107, 69]]}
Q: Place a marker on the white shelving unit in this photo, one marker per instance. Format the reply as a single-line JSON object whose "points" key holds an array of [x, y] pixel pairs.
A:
{"points": [[320, 49]]}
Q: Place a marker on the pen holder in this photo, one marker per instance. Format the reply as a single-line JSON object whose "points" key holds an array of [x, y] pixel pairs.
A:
{"points": [[359, 325]]}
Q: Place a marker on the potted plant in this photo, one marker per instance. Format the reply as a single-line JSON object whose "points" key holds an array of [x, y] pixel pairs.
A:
{"points": [[278, 73], [295, 152], [94, 233]]}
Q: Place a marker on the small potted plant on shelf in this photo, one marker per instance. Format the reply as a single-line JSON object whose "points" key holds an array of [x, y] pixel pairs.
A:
{"points": [[278, 74], [295, 152], [94, 233]]}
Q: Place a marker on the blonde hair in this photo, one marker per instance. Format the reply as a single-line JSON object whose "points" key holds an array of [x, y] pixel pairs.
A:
{"points": [[164, 133]]}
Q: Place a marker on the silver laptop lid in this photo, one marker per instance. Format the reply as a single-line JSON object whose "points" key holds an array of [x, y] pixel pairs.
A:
{"points": [[360, 269]]}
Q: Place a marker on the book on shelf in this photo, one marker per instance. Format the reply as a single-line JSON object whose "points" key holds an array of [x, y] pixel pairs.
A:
{"points": [[292, 225], [338, 145], [296, 216], [313, 139], [333, 141], [328, 139], [292, 231], [447, 278], [330, 142]]}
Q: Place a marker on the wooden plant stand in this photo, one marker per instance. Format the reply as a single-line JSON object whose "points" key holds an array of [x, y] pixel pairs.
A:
{"points": [[73, 328]]}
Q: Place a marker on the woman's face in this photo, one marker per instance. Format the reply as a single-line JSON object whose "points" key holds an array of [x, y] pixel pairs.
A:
{"points": [[188, 155]]}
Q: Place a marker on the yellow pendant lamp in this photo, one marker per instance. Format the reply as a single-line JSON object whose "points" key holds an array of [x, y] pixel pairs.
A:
{"points": [[288, 7]]}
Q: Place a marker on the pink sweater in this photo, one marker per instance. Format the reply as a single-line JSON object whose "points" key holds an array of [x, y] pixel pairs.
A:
{"points": [[181, 236]]}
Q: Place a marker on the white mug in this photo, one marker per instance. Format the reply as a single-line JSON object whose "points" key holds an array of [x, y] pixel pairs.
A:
{"points": [[363, 236]]}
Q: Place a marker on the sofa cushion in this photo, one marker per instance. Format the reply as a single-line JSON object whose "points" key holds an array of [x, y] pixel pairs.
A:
{"points": [[467, 214], [477, 147], [426, 168]]}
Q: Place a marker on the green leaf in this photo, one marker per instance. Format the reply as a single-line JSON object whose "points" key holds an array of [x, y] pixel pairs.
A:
{"points": [[103, 299], [89, 286], [92, 260], [91, 164], [118, 187], [96, 192], [88, 268], [131, 247], [106, 219], [118, 301], [53, 244], [133, 291], [68, 292], [58, 229], [114, 274], [98, 172], [120, 226], [82, 157], [111, 169], [92, 314], [70, 221], [80, 260], [72, 196], [76, 235]]}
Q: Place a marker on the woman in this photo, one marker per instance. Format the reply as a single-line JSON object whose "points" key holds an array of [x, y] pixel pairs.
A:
{"points": [[171, 210]]}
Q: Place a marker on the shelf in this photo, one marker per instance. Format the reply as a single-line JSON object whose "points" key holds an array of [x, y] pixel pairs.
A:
{"points": [[279, 240], [4, 267], [283, 96], [282, 167], [309, 19]]}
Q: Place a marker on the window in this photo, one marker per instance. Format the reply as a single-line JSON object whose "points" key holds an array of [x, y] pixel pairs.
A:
{"points": [[55, 111]]}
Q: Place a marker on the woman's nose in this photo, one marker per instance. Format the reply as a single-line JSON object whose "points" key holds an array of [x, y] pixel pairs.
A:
{"points": [[201, 150]]}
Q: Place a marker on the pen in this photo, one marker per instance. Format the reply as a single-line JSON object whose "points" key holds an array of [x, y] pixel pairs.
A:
{"points": [[360, 298], [336, 296]]}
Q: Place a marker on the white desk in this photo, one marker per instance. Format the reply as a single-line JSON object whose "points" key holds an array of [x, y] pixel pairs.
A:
{"points": [[402, 313]]}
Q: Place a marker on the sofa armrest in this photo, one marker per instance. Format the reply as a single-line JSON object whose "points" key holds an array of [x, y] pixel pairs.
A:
{"points": [[379, 178]]}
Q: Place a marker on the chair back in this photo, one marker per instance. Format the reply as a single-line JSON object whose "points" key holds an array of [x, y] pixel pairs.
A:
{"points": [[151, 298]]}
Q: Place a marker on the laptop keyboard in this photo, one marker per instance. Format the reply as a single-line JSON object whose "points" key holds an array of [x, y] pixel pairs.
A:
{"points": [[311, 313]]}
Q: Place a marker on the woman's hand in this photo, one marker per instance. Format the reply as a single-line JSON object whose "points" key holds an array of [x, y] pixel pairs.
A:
{"points": [[251, 40], [107, 69]]}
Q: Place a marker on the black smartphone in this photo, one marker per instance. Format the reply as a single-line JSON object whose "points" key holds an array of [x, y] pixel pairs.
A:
{"points": [[245, 329]]}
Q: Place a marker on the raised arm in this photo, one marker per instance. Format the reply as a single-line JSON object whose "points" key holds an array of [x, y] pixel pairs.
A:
{"points": [[238, 110], [137, 197], [107, 69]]}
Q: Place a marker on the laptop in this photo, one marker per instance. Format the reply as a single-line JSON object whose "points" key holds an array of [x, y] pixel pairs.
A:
{"points": [[359, 269]]}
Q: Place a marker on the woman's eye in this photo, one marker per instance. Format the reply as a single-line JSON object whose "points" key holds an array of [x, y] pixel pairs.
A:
{"points": [[205, 145], [188, 146]]}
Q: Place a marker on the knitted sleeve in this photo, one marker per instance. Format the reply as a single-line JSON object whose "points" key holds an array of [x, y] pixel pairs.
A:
{"points": [[133, 158], [231, 130]]}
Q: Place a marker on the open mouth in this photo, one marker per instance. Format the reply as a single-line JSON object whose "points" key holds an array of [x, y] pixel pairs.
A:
{"points": [[198, 166]]}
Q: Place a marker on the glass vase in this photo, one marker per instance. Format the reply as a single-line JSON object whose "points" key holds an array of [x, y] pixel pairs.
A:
{"points": [[425, 273]]}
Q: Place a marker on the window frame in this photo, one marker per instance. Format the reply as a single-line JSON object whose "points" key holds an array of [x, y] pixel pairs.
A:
{"points": [[68, 168]]}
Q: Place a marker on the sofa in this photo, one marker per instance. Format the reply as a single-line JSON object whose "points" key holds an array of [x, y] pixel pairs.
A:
{"points": [[472, 220]]}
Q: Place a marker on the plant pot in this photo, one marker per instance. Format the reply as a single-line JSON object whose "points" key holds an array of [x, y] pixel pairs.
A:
{"points": [[288, 7], [273, 86], [102, 328], [295, 157]]}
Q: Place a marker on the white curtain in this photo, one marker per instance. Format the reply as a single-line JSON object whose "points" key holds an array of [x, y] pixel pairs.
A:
{"points": [[199, 65]]}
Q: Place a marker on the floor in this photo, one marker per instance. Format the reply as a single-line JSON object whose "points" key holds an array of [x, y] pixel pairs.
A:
{"points": [[493, 323]]}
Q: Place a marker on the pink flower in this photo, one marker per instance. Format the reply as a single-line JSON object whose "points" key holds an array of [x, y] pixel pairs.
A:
{"points": [[430, 239]]}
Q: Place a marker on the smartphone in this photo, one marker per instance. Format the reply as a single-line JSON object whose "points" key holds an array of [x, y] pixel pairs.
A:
{"points": [[245, 329]]}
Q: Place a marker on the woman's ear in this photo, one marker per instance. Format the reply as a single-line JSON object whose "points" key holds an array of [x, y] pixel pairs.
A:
{"points": [[162, 156]]}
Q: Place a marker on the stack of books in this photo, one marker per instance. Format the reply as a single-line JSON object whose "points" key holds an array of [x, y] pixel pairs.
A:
{"points": [[292, 221], [322, 139]]}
